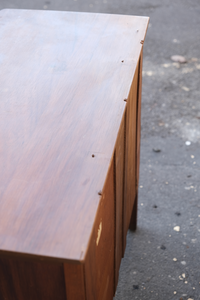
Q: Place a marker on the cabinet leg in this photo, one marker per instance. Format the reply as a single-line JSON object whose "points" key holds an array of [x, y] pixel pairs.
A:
{"points": [[133, 222]]}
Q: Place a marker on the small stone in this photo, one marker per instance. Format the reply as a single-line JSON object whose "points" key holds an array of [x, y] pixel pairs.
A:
{"points": [[163, 247], [156, 150], [136, 287], [180, 278], [192, 156], [187, 188], [174, 259], [166, 65], [166, 182], [177, 228], [185, 88], [174, 293], [183, 275], [179, 59], [177, 65], [176, 41], [178, 214], [188, 143], [186, 282], [190, 299], [141, 186], [183, 263]]}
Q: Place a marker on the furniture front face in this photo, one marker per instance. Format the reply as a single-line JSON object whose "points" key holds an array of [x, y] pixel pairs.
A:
{"points": [[70, 101], [22, 279]]}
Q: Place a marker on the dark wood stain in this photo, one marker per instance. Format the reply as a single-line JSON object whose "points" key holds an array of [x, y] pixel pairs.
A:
{"points": [[58, 105], [22, 280], [69, 155], [74, 281]]}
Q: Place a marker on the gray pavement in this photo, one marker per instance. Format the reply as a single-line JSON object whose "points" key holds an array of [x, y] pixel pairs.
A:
{"points": [[160, 262]]}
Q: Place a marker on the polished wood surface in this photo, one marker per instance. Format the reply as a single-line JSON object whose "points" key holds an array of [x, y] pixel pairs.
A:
{"points": [[70, 101], [63, 80], [75, 281], [31, 280]]}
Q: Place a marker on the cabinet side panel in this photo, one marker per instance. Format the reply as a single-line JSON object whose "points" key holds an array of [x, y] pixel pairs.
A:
{"points": [[119, 161], [100, 258], [139, 116], [130, 156], [133, 222], [74, 281], [24, 279]]}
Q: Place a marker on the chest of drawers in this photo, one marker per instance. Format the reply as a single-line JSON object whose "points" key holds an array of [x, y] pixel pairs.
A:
{"points": [[70, 98]]}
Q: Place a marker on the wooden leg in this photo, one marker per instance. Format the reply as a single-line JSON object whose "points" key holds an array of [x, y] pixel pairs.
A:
{"points": [[133, 222]]}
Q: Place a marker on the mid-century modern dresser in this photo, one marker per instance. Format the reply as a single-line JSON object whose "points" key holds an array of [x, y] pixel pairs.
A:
{"points": [[70, 100]]}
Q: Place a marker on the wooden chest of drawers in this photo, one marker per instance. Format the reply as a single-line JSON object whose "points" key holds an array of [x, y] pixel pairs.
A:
{"points": [[70, 98]]}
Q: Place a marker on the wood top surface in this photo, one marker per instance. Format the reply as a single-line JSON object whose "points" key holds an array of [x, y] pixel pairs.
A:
{"points": [[62, 91]]}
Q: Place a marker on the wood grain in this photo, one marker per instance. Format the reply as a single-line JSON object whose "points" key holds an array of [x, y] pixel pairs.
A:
{"points": [[69, 155], [59, 106], [25, 279], [75, 281]]}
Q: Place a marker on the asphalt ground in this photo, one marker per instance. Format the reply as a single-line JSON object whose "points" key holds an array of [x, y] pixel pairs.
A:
{"points": [[162, 259]]}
